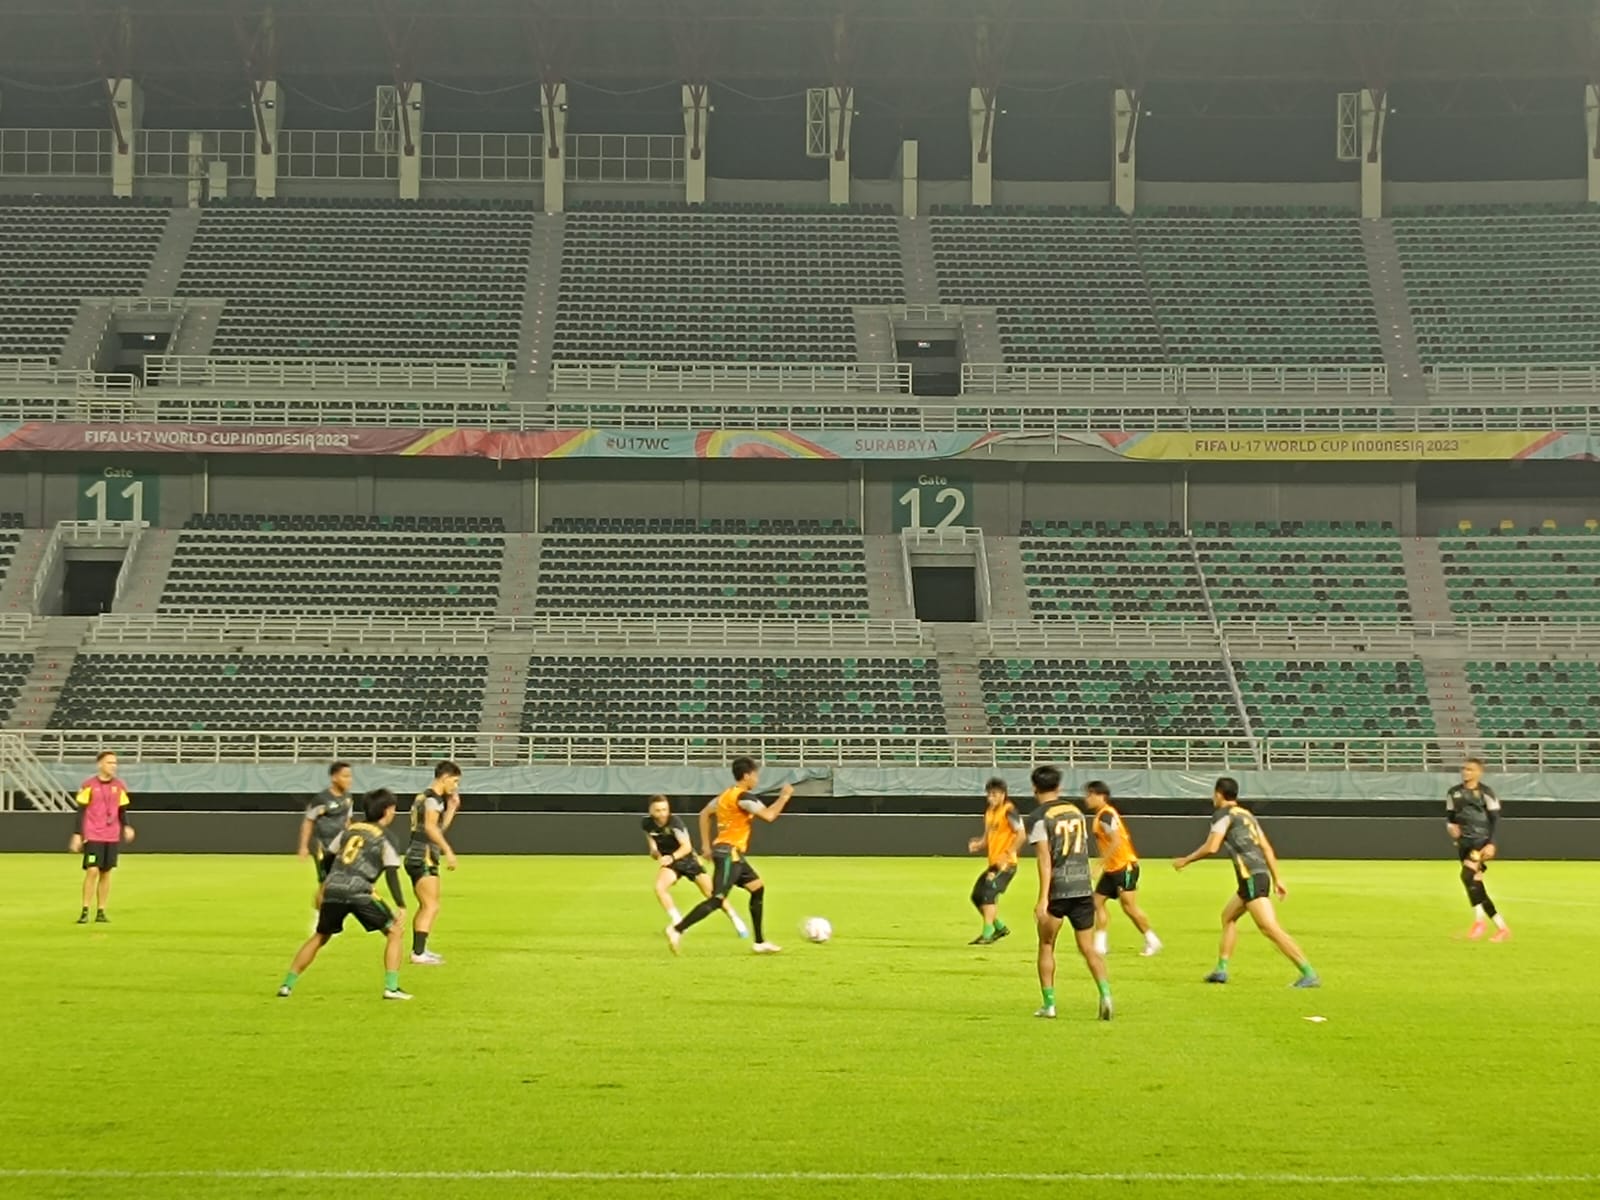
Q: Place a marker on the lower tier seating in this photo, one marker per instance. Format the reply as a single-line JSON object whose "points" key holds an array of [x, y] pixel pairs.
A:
{"points": [[244, 691], [1539, 700], [1326, 699], [14, 670], [1551, 574]]}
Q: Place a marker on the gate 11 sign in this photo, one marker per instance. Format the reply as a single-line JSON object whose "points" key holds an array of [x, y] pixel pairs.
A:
{"points": [[118, 494], [933, 502]]}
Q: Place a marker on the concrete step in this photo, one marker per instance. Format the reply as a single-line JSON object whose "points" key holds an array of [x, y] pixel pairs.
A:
{"points": [[147, 577], [57, 646], [519, 575], [1008, 588], [503, 695], [16, 590], [1453, 713], [1392, 306], [916, 261], [166, 268], [537, 339], [86, 340], [198, 329], [1430, 595], [874, 335], [960, 683], [980, 336], [886, 579]]}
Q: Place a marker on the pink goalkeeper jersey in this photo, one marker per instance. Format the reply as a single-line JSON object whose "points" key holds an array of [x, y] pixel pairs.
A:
{"points": [[102, 801]]}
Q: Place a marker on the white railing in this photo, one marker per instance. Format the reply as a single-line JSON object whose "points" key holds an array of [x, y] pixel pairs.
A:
{"points": [[205, 371], [536, 630], [331, 411], [730, 378], [15, 627], [126, 570], [1490, 381], [1353, 639], [22, 775], [398, 748], [1178, 637], [1022, 379], [80, 533], [38, 379]]}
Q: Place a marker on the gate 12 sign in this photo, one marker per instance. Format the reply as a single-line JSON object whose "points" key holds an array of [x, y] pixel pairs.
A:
{"points": [[933, 502]]}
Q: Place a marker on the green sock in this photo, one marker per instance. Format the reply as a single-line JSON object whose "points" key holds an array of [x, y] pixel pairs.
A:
{"points": [[1104, 985], [1222, 965], [999, 925], [391, 981], [290, 979], [1049, 997], [1306, 971], [988, 931]]}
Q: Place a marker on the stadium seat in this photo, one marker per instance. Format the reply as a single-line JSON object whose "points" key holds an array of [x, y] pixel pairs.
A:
{"points": [[1325, 700], [14, 670], [1550, 574], [1099, 571], [1538, 700], [1304, 571]]}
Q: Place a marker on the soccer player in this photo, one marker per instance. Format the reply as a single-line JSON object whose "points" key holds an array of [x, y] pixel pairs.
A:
{"points": [[1119, 871], [1256, 865], [1002, 838], [431, 814], [669, 843], [325, 819], [362, 852], [1472, 811], [1061, 842], [734, 810], [102, 828]]}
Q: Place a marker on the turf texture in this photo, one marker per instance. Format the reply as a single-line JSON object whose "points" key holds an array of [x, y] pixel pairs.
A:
{"points": [[562, 1051]]}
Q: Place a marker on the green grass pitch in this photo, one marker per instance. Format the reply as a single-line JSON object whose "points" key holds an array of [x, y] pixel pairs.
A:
{"points": [[564, 1046]]}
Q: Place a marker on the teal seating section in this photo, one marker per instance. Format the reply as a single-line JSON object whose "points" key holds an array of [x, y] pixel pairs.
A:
{"points": [[1551, 575], [1329, 699], [1510, 287], [1110, 571], [1538, 700]]}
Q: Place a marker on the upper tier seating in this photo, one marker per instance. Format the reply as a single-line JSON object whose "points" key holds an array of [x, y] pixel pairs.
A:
{"points": [[775, 569], [1111, 698], [10, 537], [816, 699], [1549, 574], [1257, 290], [347, 523], [1298, 572], [1503, 286], [1067, 288], [721, 287], [1322, 699], [263, 569], [419, 283], [53, 256], [14, 670], [1100, 571], [246, 691], [1539, 700]]}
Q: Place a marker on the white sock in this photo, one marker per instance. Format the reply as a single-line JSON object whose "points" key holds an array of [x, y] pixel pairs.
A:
{"points": [[737, 923], [1150, 938], [674, 916], [1101, 945], [1477, 912], [1499, 920]]}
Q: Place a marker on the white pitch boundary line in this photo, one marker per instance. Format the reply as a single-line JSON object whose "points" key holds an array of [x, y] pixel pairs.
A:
{"points": [[963, 1177]]}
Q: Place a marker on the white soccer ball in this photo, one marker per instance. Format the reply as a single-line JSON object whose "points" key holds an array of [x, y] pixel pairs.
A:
{"points": [[816, 929]]}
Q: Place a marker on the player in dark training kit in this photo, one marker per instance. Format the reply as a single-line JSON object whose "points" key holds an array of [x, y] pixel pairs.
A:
{"points": [[362, 852], [325, 819], [670, 846], [1060, 836], [432, 812], [1471, 813], [1236, 829]]}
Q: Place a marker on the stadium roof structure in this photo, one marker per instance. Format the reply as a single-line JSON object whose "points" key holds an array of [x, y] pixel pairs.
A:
{"points": [[987, 43]]}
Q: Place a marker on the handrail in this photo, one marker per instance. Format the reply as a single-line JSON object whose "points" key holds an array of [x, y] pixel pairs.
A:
{"points": [[207, 371], [1052, 379], [22, 774], [745, 378], [81, 533], [1493, 379], [417, 749]]}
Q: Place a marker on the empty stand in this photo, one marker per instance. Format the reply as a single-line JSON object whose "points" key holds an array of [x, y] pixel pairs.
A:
{"points": [[818, 699], [246, 691], [1550, 574], [1066, 287], [1101, 571], [14, 670], [52, 256], [362, 283], [10, 538], [1503, 286], [1335, 698], [332, 565], [773, 568], [1304, 571], [1538, 700], [674, 286], [1260, 289]]}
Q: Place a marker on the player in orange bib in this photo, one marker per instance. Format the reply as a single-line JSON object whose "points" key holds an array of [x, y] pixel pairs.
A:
{"points": [[1003, 837], [735, 811], [1119, 871]]}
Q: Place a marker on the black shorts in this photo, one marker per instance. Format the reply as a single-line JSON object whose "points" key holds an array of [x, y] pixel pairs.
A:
{"points": [[324, 863], [101, 855], [417, 870], [1472, 855], [375, 916], [687, 867], [1113, 883], [729, 870], [1256, 887], [1077, 911], [992, 884]]}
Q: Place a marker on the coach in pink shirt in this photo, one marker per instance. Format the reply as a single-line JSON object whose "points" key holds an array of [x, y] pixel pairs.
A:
{"points": [[102, 828]]}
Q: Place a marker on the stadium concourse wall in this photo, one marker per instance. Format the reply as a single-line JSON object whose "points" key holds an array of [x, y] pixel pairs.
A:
{"points": [[1418, 498]]}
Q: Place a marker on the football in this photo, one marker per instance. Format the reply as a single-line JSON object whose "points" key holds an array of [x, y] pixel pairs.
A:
{"points": [[817, 929]]}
